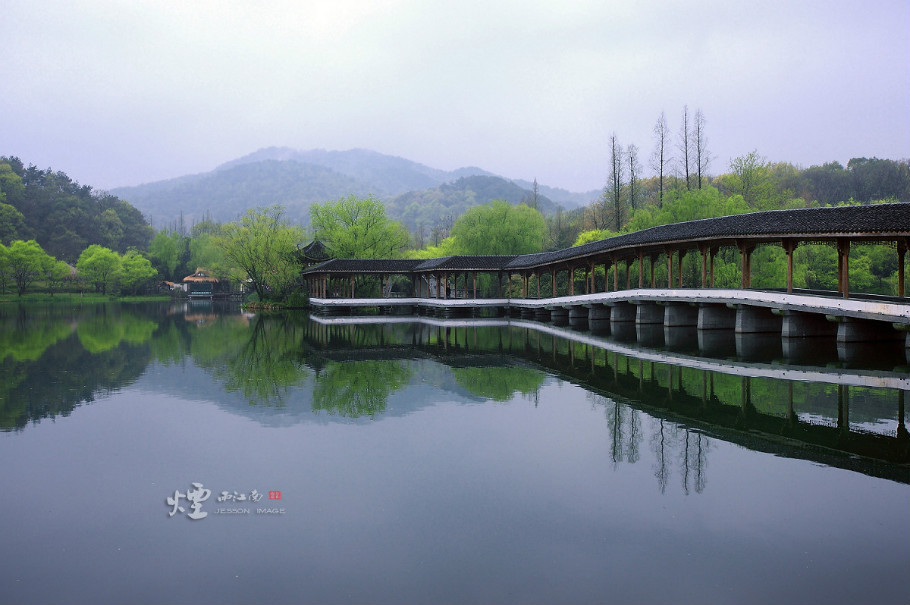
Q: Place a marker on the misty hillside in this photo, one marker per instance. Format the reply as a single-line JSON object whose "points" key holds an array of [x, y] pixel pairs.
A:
{"points": [[295, 179], [387, 175], [228, 193], [429, 206]]}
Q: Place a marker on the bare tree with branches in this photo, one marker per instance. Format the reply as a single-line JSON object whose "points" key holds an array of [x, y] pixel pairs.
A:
{"points": [[685, 145], [660, 159], [613, 190], [634, 172], [700, 141]]}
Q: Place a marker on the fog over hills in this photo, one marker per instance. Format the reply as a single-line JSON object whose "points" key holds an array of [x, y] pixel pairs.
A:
{"points": [[295, 179]]}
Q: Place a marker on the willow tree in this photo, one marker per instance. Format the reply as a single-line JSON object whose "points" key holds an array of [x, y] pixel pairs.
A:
{"points": [[354, 227], [499, 228], [262, 247]]}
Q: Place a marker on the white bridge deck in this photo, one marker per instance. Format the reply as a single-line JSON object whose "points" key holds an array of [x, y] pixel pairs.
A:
{"points": [[887, 311]]}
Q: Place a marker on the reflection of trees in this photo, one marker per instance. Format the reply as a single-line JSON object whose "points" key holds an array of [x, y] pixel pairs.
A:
{"points": [[360, 388], [669, 442], [690, 448], [693, 461], [624, 426], [48, 372], [26, 333], [499, 383], [107, 327], [258, 358]]}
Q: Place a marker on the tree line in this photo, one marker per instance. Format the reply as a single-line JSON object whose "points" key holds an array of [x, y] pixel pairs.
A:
{"points": [[63, 216], [45, 216]]}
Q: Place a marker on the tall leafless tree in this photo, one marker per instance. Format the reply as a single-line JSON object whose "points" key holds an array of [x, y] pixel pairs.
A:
{"points": [[700, 141], [613, 190], [685, 144], [660, 159], [634, 172]]}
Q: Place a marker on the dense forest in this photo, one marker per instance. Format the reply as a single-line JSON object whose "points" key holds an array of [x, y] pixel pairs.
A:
{"points": [[63, 216]]}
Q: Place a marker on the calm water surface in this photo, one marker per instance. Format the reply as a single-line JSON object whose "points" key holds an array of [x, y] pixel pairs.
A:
{"points": [[434, 462]]}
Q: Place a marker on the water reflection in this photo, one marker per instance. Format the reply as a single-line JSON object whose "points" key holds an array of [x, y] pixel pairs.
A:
{"points": [[696, 385], [749, 396], [53, 358]]}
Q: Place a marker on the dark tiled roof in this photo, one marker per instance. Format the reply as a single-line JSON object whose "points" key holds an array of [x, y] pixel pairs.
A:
{"points": [[868, 220], [366, 265], [844, 220], [315, 251], [466, 263]]}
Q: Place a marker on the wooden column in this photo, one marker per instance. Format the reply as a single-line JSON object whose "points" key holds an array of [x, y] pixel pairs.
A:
{"points": [[901, 252], [571, 281], [703, 250], [616, 274], [789, 247], [641, 270], [669, 268], [745, 251], [553, 280], [682, 254], [843, 267], [711, 254]]}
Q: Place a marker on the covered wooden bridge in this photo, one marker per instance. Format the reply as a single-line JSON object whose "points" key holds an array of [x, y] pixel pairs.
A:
{"points": [[457, 276]]}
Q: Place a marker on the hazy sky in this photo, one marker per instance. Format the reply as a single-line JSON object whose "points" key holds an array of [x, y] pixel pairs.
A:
{"points": [[124, 92]]}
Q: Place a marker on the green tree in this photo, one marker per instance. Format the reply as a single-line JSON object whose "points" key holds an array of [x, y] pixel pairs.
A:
{"points": [[163, 252], [206, 252], [55, 274], [135, 270], [750, 176], [99, 265], [354, 227], [262, 247], [12, 223], [111, 229], [27, 261], [4, 268], [499, 228]]}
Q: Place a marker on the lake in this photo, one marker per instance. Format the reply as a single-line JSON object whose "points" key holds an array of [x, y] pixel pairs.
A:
{"points": [[189, 453]]}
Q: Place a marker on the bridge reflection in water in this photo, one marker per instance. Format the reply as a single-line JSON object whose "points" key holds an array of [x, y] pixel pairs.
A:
{"points": [[845, 409]]}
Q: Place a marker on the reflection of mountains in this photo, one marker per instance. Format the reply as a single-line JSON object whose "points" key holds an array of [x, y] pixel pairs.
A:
{"points": [[429, 384]]}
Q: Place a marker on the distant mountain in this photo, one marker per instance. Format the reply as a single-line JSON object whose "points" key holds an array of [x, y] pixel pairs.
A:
{"points": [[228, 193], [569, 199], [429, 206], [387, 175], [295, 179]]}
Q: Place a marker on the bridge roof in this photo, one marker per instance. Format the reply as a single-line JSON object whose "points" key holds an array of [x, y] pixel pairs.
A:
{"points": [[878, 221], [874, 222], [466, 263], [366, 265]]}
